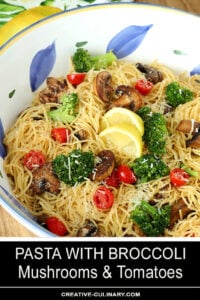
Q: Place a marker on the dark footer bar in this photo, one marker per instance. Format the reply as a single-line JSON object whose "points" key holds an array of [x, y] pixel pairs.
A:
{"points": [[57, 293]]}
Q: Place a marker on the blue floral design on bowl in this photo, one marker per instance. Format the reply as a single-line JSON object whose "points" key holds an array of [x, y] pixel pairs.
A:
{"points": [[42, 65], [128, 40], [122, 44], [2, 147], [195, 70]]}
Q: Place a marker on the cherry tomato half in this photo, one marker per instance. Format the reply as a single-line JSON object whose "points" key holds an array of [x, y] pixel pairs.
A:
{"points": [[125, 174], [33, 159], [103, 198], [144, 86], [56, 226], [113, 179], [76, 78], [179, 177], [60, 134]]}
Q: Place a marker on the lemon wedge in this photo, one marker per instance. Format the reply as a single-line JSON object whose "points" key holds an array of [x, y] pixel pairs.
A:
{"points": [[24, 19], [118, 115], [125, 138]]}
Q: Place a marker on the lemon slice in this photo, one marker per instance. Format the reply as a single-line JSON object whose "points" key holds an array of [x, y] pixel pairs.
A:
{"points": [[118, 115], [125, 138], [24, 19]]}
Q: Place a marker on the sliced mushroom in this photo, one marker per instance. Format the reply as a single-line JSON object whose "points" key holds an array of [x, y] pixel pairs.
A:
{"points": [[161, 194], [81, 134], [102, 86], [55, 84], [179, 209], [88, 229], [130, 98], [55, 88], [194, 142], [188, 126], [42, 219], [45, 180], [151, 73], [167, 108], [104, 166], [193, 127]]}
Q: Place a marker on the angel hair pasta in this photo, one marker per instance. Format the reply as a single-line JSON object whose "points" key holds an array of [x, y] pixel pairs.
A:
{"points": [[99, 150]]}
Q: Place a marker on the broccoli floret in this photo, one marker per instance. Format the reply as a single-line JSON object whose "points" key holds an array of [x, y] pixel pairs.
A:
{"points": [[151, 220], [155, 130], [144, 112], [175, 94], [74, 167], [66, 112], [189, 170], [149, 167], [83, 61]]}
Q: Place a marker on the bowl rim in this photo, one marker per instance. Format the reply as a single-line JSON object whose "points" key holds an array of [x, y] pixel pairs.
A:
{"points": [[23, 219], [88, 7]]}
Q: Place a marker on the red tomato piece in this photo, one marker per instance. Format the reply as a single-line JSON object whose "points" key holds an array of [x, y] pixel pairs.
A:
{"points": [[76, 78], [34, 159], [103, 198], [113, 179], [56, 226], [144, 86], [60, 134], [179, 177], [125, 174]]}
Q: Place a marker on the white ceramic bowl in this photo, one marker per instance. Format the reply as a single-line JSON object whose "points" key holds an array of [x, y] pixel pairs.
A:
{"points": [[141, 31]]}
